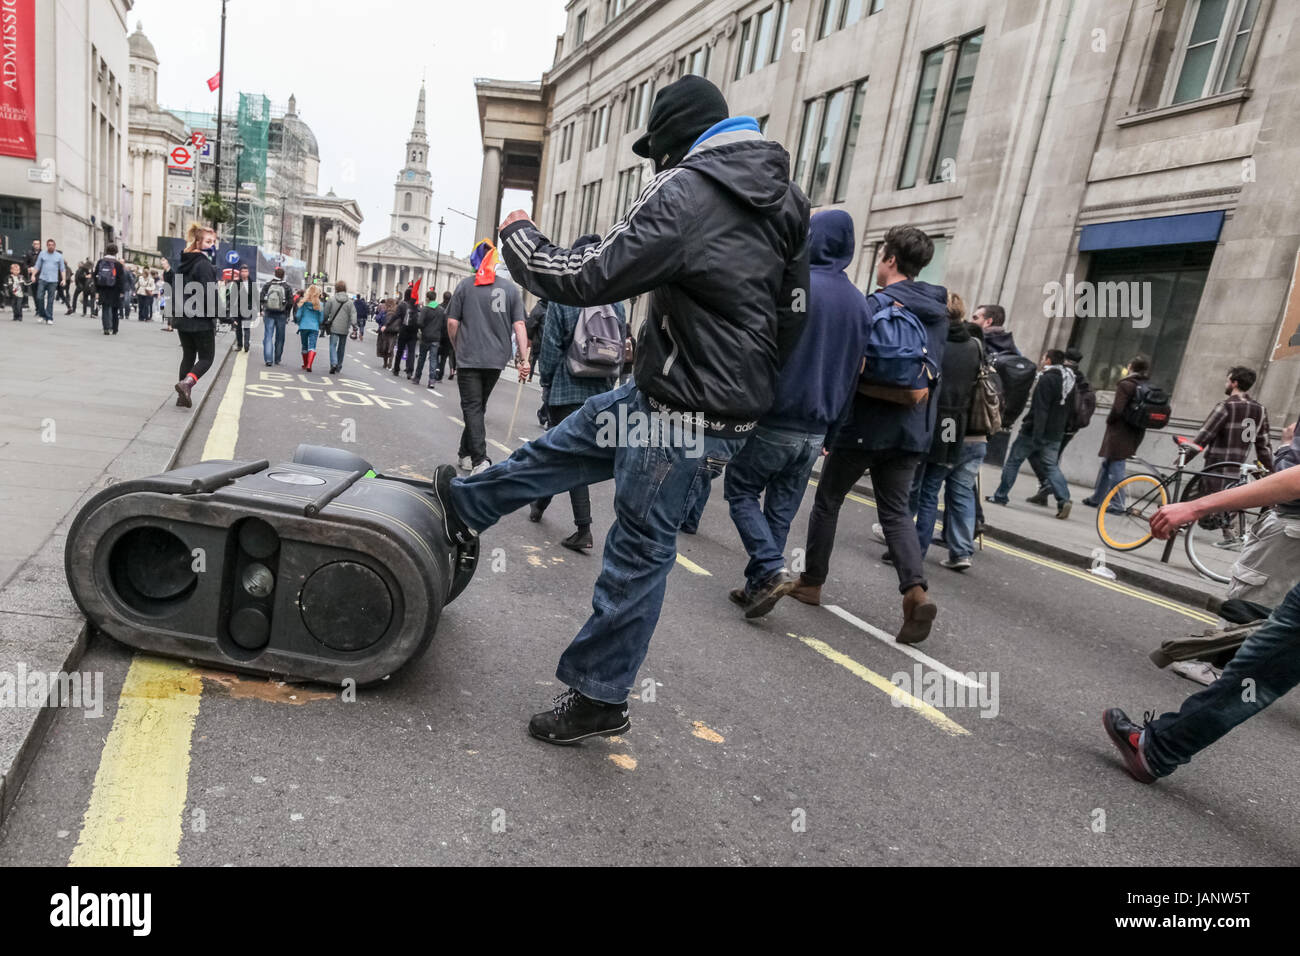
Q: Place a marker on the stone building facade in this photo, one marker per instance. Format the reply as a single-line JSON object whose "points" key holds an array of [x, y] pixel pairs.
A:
{"points": [[153, 133], [77, 189], [1139, 148]]}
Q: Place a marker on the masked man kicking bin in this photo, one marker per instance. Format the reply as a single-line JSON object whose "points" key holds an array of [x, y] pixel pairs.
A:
{"points": [[718, 238]]}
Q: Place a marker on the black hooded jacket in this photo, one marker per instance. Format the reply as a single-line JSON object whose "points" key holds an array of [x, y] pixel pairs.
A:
{"points": [[720, 243], [193, 293]]}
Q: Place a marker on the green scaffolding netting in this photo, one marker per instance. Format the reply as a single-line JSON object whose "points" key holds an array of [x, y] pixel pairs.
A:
{"points": [[254, 122]]}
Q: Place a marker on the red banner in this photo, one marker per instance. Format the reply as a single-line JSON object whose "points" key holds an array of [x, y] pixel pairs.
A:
{"points": [[18, 78]]}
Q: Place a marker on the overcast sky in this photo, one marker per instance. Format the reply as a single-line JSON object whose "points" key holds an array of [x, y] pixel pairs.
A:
{"points": [[355, 68]]}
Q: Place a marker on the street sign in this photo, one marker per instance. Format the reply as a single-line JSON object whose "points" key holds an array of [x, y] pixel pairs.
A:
{"points": [[198, 140], [180, 187], [232, 258], [182, 157]]}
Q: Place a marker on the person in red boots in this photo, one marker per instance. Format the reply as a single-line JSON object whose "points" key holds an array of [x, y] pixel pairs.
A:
{"points": [[308, 315], [193, 292]]}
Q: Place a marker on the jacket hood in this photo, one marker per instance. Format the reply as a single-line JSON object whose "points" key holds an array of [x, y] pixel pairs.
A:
{"points": [[342, 297], [924, 299], [959, 332], [755, 171], [830, 240], [1000, 339]]}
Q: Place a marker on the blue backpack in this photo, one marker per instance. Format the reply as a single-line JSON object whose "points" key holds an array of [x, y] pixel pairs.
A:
{"points": [[897, 366]]}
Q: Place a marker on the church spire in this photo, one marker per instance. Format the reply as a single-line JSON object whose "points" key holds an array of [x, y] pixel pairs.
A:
{"points": [[418, 132]]}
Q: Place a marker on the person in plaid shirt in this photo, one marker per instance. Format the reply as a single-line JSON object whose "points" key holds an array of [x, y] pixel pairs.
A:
{"points": [[563, 395], [1237, 429]]}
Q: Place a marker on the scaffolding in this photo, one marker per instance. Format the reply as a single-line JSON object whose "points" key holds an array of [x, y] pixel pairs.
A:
{"points": [[271, 153]]}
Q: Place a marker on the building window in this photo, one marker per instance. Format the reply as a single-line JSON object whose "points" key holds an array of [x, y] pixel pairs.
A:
{"points": [[760, 38], [580, 29], [557, 218], [954, 108], [614, 9], [807, 131], [1212, 46], [696, 62], [762, 126], [922, 109], [850, 143], [629, 188], [599, 133], [566, 142], [638, 105], [829, 131], [838, 14], [831, 127], [1176, 277], [590, 208], [406, 203]]}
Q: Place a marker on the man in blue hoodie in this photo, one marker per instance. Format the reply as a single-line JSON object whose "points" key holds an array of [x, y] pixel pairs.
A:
{"points": [[887, 439], [816, 383]]}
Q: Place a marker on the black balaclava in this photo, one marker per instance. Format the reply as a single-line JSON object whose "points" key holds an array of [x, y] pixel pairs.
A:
{"points": [[681, 112]]}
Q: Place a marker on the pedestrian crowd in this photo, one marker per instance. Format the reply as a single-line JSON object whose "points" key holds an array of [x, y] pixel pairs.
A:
{"points": [[781, 363]]}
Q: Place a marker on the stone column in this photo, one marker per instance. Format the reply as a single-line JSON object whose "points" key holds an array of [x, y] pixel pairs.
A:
{"points": [[489, 194]]}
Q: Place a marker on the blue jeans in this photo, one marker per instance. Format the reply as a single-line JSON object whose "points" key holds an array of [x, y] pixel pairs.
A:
{"points": [[1269, 660], [654, 486], [958, 482], [273, 327], [1109, 475], [338, 344], [308, 337], [774, 463], [429, 351], [1044, 453], [691, 523], [45, 291]]}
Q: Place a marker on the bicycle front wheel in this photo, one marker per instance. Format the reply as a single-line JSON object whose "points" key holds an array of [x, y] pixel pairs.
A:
{"points": [[1134, 500], [1214, 542]]}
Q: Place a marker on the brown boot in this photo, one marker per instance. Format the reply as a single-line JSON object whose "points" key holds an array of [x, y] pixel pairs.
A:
{"points": [[807, 593], [183, 389], [919, 613]]}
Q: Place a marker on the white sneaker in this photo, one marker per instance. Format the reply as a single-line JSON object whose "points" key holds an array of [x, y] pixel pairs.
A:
{"points": [[481, 467], [879, 533], [466, 463], [1198, 671]]}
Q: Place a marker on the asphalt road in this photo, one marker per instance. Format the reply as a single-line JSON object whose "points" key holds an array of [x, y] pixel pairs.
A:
{"points": [[766, 742]]}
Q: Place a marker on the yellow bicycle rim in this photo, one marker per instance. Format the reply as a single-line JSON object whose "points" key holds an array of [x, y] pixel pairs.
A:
{"points": [[1134, 487]]}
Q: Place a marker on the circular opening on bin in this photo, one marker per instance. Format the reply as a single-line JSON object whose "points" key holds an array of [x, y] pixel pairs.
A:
{"points": [[346, 606], [151, 569]]}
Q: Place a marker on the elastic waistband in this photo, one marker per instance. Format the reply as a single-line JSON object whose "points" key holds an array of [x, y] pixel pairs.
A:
{"points": [[711, 424]]}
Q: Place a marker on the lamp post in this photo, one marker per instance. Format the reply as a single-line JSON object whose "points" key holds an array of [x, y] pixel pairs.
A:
{"points": [[338, 250], [239, 176], [221, 99], [437, 256]]}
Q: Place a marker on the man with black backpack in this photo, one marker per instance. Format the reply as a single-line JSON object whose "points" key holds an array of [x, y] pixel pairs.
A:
{"points": [[1041, 433], [110, 284], [1123, 436], [569, 378], [277, 303], [1083, 403], [885, 430]]}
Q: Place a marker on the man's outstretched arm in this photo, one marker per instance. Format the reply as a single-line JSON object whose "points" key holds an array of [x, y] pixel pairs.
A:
{"points": [[642, 251], [1273, 490]]}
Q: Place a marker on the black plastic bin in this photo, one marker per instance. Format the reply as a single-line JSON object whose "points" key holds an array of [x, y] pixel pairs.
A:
{"points": [[297, 570]]}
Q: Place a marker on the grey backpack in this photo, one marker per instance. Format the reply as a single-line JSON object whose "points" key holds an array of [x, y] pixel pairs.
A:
{"points": [[597, 347]]}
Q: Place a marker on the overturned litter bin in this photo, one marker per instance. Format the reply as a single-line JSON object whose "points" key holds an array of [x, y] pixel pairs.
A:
{"points": [[313, 569]]}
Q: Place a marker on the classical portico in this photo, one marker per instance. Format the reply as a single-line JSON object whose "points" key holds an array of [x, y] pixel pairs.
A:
{"points": [[512, 121]]}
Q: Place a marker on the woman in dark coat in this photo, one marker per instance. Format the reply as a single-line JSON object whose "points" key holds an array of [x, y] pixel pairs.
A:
{"points": [[194, 307], [1121, 440]]}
